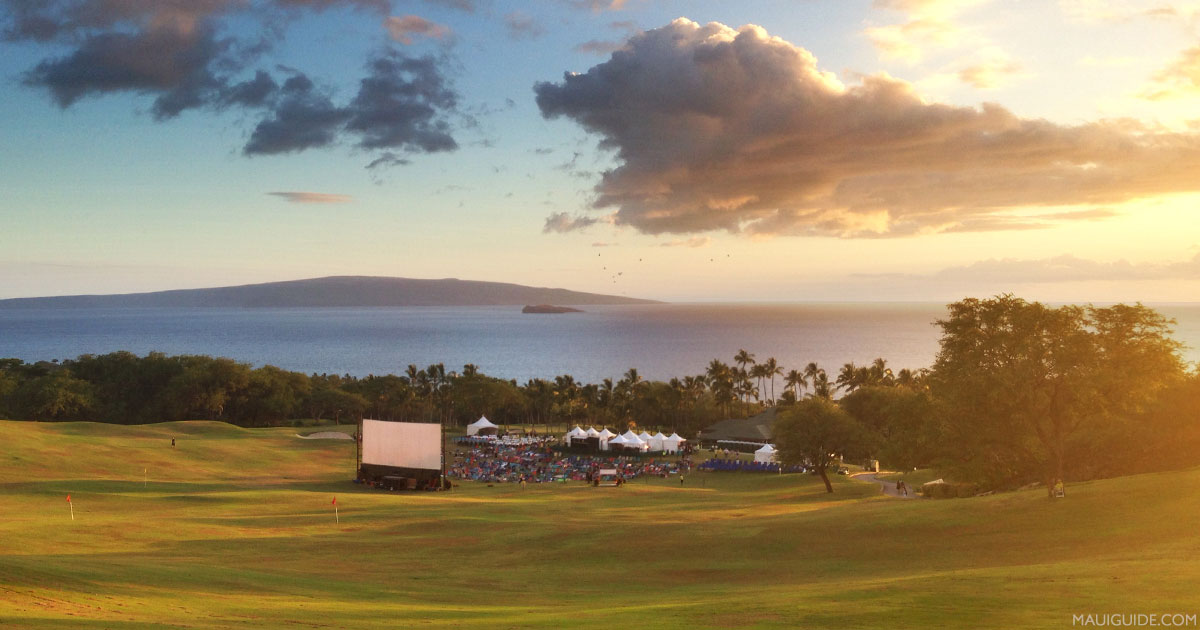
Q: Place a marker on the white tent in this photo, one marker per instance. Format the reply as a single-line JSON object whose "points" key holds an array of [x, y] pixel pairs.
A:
{"points": [[605, 436], [629, 440], [658, 442], [671, 443], [574, 434], [766, 454], [645, 437], [482, 426], [592, 432]]}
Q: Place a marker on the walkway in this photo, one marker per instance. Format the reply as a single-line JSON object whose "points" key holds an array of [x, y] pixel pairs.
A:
{"points": [[888, 487]]}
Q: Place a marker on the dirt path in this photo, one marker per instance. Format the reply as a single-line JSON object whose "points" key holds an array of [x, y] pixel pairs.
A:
{"points": [[888, 487]]}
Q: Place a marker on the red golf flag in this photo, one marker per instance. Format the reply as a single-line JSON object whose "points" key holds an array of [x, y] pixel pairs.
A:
{"points": [[68, 498], [334, 500]]}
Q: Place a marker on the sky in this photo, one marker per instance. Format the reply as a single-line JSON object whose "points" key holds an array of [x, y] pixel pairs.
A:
{"points": [[691, 150]]}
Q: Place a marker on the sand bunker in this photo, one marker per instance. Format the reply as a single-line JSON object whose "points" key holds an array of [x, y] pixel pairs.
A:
{"points": [[326, 435]]}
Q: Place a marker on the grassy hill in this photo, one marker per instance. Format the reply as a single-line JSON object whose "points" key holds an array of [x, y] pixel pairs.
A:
{"points": [[234, 529]]}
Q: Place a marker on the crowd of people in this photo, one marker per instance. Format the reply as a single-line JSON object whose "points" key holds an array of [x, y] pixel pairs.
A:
{"points": [[498, 462]]}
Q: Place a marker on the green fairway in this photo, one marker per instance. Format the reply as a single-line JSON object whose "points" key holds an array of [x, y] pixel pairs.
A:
{"points": [[234, 528]]}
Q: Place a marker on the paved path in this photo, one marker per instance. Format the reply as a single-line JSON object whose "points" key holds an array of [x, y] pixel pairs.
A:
{"points": [[888, 487]]}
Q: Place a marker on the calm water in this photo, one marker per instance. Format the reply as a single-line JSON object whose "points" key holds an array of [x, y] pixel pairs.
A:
{"points": [[662, 341]]}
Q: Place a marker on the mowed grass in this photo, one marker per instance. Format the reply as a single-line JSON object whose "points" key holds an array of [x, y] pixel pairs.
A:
{"points": [[233, 528]]}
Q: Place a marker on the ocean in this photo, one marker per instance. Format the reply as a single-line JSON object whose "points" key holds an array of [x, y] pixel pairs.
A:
{"points": [[661, 341]]}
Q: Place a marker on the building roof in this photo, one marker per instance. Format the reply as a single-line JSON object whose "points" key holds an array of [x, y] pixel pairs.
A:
{"points": [[756, 428]]}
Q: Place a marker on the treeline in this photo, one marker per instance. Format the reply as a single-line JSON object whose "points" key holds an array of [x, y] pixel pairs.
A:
{"points": [[125, 388], [1020, 392]]}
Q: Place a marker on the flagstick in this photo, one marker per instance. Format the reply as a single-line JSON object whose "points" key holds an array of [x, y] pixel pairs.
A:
{"points": [[145, 476], [72, 510], [335, 514]]}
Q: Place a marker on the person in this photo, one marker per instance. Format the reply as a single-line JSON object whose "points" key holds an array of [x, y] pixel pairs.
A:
{"points": [[901, 487], [681, 479], [172, 442]]}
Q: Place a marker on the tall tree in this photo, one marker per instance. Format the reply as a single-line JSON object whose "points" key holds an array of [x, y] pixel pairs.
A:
{"points": [[816, 432], [772, 369], [1027, 387]]}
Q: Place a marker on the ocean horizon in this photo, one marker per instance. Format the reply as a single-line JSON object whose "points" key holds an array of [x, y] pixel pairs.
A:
{"points": [[660, 340]]}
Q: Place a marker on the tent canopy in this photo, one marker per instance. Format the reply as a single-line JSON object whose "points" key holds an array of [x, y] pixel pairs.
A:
{"points": [[482, 425], [606, 434], [674, 437], [592, 432], [765, 454]]}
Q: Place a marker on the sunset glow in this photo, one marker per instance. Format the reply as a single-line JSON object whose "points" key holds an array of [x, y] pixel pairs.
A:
{"points": [[831, 150]]}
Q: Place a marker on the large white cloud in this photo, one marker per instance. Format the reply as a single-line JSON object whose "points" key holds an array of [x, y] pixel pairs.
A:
{"points": [[716, 128]]}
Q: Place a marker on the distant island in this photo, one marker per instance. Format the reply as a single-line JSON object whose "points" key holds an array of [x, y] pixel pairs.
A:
{"points": [[549, 308], [336, 291]]}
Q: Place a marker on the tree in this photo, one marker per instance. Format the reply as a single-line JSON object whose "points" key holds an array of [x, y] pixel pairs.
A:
{"points": [[742, 359], [1028, 388], [903, 418], [795, 382], [772, 369], [815, 432]]}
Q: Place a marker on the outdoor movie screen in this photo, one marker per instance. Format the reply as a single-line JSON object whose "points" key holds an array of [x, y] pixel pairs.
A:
{"points": [[402, 444]]}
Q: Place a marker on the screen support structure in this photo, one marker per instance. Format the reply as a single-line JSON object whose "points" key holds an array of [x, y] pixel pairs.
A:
{"points": [[358, 444]]}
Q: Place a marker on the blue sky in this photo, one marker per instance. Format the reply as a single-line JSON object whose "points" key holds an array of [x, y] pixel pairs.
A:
{"points": [[835, 150]]}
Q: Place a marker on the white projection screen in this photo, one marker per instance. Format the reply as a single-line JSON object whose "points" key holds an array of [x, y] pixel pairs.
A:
{"points": [[402, 444]]}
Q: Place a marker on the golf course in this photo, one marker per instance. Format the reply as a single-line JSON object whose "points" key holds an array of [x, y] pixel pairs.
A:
{"points": [[235, 528]]}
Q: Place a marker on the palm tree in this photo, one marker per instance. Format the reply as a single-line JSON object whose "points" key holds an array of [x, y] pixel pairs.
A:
{"points": [[795, 382], [742, 359], [821, 388], [848, 377], [772, 369], [759, 371]]}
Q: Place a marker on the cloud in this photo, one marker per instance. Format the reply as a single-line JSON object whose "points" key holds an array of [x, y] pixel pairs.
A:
{"points": [[910, 40], [182, 55], [713, 128], [598, 47], [304, 118], [697, 241], [596, 6], [1056, 269], [1116, 11], [403, 29], [1180, 78], [930, 24], [561, 223], [175, 64], [388, 159], [523, 26], [401, 105], [312, 197], [989, 74], [468, 6]]}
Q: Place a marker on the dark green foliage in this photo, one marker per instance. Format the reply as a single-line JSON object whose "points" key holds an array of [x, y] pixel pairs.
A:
{"points": [[1037, 393], [815, 432]]}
